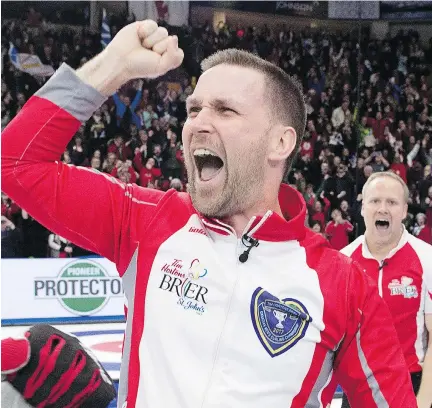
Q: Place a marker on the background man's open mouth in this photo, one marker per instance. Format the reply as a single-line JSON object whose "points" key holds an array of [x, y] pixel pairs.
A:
{"points": [[382, 224]]}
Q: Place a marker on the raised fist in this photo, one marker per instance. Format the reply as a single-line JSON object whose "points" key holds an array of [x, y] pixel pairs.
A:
{"points": [[143, 50]]}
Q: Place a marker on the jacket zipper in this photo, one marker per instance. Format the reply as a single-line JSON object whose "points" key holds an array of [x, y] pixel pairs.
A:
{"points": [[237, 250], [380, 277], [216, 354]]}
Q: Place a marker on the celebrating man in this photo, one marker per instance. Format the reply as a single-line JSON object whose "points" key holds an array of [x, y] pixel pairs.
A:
{"points": [[232, 301], [400, 264]]}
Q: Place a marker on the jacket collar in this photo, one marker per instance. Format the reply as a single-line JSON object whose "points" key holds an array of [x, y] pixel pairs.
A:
{"points": [[403, 240], [271, 226]]}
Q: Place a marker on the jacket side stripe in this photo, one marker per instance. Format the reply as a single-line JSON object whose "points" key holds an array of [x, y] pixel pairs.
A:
{"points": [[377, 395], [321, 381]]}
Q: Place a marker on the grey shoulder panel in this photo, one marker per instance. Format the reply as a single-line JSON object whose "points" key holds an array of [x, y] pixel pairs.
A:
{"points": [[70, 93]]}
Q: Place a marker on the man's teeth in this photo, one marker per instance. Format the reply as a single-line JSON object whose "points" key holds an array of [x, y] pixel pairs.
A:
{"points": [[204, 152]]}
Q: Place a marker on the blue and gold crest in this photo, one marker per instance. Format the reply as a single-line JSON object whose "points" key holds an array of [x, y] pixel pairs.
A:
{"points": [[279, 324]]}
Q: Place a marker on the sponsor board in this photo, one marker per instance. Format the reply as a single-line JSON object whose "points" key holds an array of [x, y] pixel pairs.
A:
{"points": [[56, 290]]}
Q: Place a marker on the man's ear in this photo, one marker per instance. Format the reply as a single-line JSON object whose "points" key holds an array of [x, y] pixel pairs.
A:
{"points": [[282, 144], [405, 211]]}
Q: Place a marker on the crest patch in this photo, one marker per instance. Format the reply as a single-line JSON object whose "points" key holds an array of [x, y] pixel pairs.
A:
{"points": [[279, 324]]}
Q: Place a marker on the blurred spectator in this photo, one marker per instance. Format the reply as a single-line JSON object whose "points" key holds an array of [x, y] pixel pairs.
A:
{"points": [[11, 243], [148, 115], [109, 163], [399, 167], [316, 227], [173, 157], [317, 210], [97, 129], [421, 229], [125, 109], [119, 148], [338, 230], [125, 172], [341, 114], [343, 184], [148, 174], [176, 184], [78, 152], [9, 209], [35, 237], [59, 247]]}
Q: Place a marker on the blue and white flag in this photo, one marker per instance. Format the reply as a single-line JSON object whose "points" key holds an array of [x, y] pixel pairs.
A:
{"points": [[28, 63], [105, 30]]}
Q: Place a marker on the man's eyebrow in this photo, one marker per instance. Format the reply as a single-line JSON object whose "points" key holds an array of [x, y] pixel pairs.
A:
{"points": [[216, 103], [192, 100], [220, 102]]}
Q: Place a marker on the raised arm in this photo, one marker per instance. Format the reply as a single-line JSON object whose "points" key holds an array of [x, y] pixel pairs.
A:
{"points": [[84, 206], [93, 210]]}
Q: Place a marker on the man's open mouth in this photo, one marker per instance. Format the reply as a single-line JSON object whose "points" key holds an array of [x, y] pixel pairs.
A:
{"points": [[208, 163], [382, 224]]}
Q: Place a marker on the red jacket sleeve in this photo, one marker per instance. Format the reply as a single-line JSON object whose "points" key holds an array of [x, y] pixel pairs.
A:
{"points": [[425, 235], [133, 177], [370, 365], [89, 208], [348, 226], [114, 172], [329, 230]]}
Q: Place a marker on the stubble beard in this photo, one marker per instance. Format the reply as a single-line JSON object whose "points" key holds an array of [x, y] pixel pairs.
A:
{"points": [[210, 203], [241, 189]]}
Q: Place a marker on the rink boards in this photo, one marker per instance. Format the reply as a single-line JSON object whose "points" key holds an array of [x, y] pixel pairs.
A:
{"points": [[105, 340]]}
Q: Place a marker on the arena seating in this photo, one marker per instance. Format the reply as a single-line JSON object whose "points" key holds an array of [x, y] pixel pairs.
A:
{"points": [[362, 117]]}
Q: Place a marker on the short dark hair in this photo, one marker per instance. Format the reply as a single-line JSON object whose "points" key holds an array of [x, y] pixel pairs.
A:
{"points": [[284, 92]]}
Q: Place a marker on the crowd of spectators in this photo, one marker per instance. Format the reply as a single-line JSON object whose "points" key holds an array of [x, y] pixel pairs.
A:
{"points": [[369, 106]]}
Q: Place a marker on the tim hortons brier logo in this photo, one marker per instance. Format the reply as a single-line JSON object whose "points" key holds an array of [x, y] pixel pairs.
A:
{"points": [[184, 283], [403, 287]]}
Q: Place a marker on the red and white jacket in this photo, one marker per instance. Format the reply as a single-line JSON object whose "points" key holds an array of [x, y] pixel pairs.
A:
{"points": [[404, 280], [204, 329]]}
